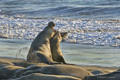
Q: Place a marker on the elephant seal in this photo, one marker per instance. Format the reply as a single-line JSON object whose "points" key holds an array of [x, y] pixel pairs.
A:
{"points": [[40, 48], [39, 76], [67, 70], [8, 71], [55, 47], [3, 62], [110, 76]]}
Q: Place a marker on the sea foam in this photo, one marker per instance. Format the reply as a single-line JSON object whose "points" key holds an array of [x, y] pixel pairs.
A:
{"points": [[83, 31]]}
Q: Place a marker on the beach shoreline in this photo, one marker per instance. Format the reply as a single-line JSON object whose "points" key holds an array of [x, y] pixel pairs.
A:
{"points": [[87, 67]]}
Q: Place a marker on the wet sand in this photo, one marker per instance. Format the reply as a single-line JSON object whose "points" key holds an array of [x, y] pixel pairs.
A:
{"points": [[10, 59]]}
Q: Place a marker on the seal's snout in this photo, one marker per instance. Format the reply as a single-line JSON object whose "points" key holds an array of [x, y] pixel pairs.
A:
{"points": [[51, 24], [63, 34]]}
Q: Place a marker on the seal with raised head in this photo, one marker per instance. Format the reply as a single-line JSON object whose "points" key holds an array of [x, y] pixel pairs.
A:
{"points": [[40, 48], [55, 47]]}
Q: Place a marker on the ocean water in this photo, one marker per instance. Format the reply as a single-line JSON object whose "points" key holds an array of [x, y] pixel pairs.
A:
{"points": [[73, 53], [93, 28], [109, 9], [95, 22]]}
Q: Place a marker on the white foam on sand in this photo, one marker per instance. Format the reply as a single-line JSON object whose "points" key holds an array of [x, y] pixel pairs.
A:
{"points": [[83, 31]]}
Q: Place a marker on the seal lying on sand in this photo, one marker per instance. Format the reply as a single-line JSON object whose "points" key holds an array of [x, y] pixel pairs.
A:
{"points": [[55, 47], [110, 76], [39, 76], [40, 48], [66, 70]]}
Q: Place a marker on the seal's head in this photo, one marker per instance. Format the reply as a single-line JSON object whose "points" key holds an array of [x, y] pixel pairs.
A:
{"points": [[57, 37], [51, 24], [63, 34]]}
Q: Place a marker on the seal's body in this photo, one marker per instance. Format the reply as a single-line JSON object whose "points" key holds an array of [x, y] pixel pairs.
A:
{"points": [[40, 48], [55, 47]]}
